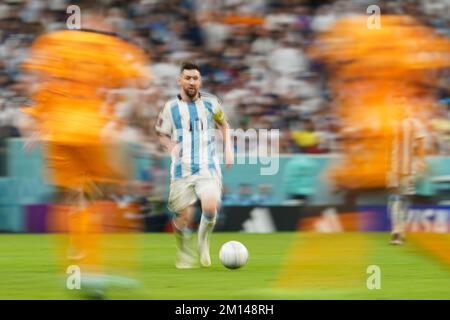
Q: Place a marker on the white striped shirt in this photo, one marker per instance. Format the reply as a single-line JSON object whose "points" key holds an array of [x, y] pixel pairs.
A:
{"points": [[191, 124], [406, 134]]}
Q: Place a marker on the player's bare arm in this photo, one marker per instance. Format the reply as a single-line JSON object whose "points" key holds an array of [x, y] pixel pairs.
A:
{"points": [[224, 128], [168, 144]]}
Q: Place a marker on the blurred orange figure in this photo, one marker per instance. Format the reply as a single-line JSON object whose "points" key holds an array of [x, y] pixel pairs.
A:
{"points": [[73, 71], [369, 67]]}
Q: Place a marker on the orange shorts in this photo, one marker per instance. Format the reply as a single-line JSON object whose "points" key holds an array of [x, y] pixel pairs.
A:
{"points": [[79, 167]]}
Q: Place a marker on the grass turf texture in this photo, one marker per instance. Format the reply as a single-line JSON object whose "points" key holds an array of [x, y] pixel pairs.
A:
{"points": [[281, 266]]}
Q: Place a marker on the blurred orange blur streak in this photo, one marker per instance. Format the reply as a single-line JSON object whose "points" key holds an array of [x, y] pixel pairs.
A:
{"points": [[369, 67], [326, 261], [436, 244], [84, 228], [74, 71], [94, 233]]}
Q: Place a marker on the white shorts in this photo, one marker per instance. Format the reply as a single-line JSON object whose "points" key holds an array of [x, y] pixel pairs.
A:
{"points": [[185, 191]]}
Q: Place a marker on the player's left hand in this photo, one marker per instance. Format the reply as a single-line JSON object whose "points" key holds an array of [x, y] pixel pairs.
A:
{"points": [[229, 159]]}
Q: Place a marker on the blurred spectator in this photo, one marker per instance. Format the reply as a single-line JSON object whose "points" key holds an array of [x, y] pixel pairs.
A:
{"points": [[300, 175], [244, 197], [228, 198], [253, 54], [306, 138], [265, 196], [288, 59]]}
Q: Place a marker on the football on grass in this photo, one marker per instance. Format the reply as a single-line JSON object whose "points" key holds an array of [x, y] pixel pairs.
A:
{"points": [[233, 254]]}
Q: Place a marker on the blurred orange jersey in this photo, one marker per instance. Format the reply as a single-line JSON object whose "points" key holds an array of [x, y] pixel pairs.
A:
{"points": [[75, 69]]}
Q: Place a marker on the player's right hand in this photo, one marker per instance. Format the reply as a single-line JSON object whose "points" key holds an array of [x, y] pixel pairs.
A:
{"points": [[229, 159]]}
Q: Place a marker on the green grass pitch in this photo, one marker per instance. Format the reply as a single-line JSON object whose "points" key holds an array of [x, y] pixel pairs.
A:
{"points": [[28, 269]]}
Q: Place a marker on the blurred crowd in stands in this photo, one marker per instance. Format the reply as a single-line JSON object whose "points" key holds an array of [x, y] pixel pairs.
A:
{"points": [[253, 55]]}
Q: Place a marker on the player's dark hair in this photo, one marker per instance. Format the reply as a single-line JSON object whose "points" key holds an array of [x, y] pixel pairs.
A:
{"points": [[187, 65]]}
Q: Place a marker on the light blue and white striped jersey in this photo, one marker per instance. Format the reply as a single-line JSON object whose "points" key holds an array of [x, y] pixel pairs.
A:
{"points": [[406, 134], [191, 124]]}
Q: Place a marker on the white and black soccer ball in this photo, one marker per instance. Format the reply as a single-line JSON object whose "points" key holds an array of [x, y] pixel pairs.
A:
{"points": [[233, 254]]}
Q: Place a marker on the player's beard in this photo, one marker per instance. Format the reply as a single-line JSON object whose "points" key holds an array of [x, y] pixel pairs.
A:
{"points": [[189, 94]]}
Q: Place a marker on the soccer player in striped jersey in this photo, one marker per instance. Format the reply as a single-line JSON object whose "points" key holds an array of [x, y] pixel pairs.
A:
{"points": [[185, 127], [407, 161]]}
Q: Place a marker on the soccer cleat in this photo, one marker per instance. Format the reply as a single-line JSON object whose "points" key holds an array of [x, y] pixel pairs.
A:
{"points": [[205, 259], [396, 239], [185, 260], [186, 256]]}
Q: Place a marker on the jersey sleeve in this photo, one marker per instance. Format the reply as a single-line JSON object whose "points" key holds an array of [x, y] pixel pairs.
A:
{"points": [[164, 122]]}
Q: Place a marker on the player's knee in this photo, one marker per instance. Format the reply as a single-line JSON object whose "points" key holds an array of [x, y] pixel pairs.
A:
{"points": [[183, 217], [210, 206]]}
